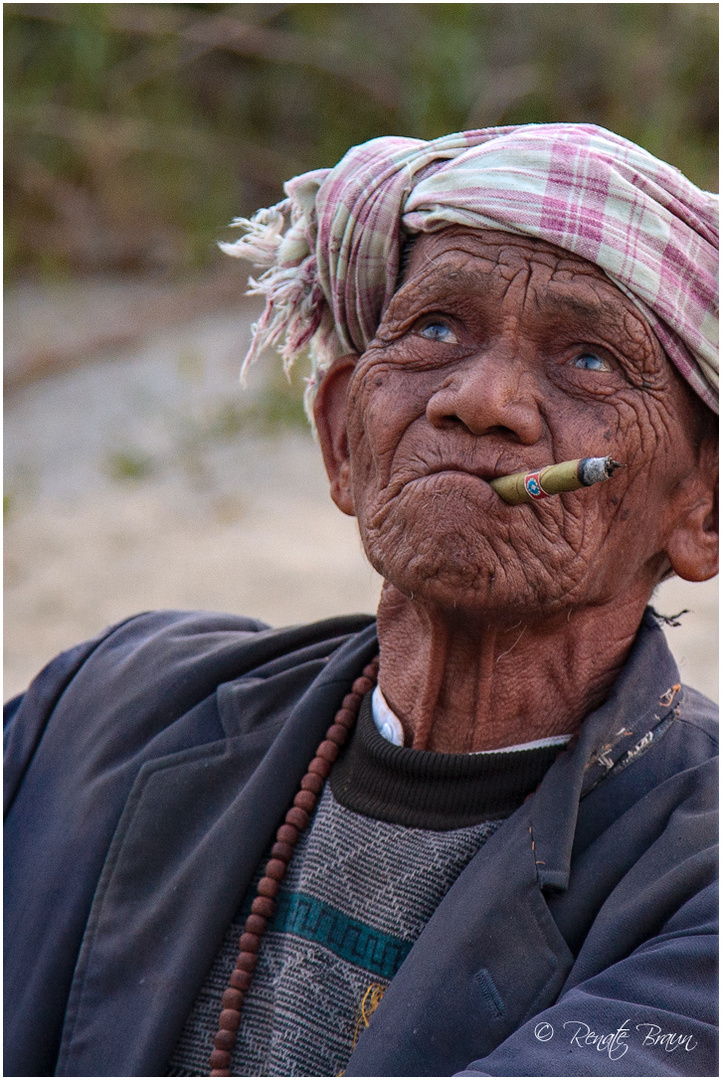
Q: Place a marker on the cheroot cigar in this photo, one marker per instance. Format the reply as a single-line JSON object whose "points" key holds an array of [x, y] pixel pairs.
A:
{"points": [[527, 487]]}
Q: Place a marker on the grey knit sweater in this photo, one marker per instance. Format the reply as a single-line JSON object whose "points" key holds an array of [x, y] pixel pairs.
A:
{"points": [[392, 831]]}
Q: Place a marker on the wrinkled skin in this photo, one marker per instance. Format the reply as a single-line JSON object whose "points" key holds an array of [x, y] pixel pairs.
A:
{"points": [[500, 624]]}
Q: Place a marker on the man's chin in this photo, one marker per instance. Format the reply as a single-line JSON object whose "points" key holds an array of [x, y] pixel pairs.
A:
{"points": [[465, 559], [468, 589]]}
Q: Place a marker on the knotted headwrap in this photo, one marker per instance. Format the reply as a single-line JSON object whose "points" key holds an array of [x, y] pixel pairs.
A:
{"points": [[331, 249]]}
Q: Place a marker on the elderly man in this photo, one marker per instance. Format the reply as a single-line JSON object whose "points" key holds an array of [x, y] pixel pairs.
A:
{"points": [[474, 836]]}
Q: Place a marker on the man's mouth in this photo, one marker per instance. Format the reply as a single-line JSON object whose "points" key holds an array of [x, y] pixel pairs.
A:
{"points": [[463, 474], [482, 472]]}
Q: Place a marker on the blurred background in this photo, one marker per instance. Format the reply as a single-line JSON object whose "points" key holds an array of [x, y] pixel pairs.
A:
{"points": [[137, 473]]}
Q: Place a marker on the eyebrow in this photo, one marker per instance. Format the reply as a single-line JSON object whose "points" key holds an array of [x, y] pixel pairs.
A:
{"points": [[572, 303]]}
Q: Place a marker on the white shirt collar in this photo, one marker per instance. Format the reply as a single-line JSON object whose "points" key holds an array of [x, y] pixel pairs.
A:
{"points": [[389, 726]]}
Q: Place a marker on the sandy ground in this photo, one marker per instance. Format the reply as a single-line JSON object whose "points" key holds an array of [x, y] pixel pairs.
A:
{"points": [[127, 489]]}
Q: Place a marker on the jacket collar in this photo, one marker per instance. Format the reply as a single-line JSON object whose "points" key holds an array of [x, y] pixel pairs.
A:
{"points": [[646, 693]]}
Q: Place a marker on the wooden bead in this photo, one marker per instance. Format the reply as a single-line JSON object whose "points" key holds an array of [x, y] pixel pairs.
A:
{"points": [[306, 800], [256, 924], [312, 782], [338, 734], [371, 671], [298, 817], [249, 942], [240, 979], [232, 999], [220, 1059], [351, 702], [287, 834], [220, 1072], [276, 869], [362, 685], [346, 718], [282, 851], [229, 1020], [328, 751], [246, 961], [320, 767], [224, 1040], [263, 905], [268, 887]]}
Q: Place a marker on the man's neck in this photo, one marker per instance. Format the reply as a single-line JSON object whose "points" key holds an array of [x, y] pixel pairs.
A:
{"points": [[460, 684]]}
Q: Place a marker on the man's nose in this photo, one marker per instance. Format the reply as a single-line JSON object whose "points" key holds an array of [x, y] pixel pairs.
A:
{"points": [[491, 392]]}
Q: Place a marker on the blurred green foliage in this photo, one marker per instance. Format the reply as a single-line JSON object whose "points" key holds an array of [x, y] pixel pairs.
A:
{"points": [[129, 464], [135, 131]]}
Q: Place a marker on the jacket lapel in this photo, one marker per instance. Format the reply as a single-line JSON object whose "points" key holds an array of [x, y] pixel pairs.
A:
{"points": [[489, 958], [192, 835]]}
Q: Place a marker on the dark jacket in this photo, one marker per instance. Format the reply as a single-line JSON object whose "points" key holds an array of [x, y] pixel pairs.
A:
{"points": [[148, 769]]}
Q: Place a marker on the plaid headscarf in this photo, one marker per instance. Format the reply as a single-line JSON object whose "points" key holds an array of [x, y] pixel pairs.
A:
{"points": [[331, 249]]}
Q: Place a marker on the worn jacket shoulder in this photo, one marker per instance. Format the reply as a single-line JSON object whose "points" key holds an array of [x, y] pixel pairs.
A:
{"points": [[141, 676]]}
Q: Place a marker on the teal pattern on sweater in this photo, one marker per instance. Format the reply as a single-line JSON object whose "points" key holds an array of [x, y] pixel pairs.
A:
{"points": [[349, 939]]}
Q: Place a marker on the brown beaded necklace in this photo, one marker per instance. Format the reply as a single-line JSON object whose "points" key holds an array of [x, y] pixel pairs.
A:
{"points": [[264, 904]]}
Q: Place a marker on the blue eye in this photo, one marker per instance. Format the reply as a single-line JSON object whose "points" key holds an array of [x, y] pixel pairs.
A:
{"points": [[590, 362], [438, 331]]}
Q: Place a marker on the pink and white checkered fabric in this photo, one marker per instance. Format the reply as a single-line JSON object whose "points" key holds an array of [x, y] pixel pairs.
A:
{"points": [[331, 249]]}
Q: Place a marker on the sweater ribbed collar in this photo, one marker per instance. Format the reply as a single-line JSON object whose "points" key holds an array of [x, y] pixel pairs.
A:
{"points": [[427, 790]]}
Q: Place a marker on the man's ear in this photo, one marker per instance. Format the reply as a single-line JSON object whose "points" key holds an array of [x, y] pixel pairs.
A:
{"points": [[329, 413], [693, 545]]}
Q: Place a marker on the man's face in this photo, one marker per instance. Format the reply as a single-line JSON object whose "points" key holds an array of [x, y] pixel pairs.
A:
{"points": [[500, 354]]}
